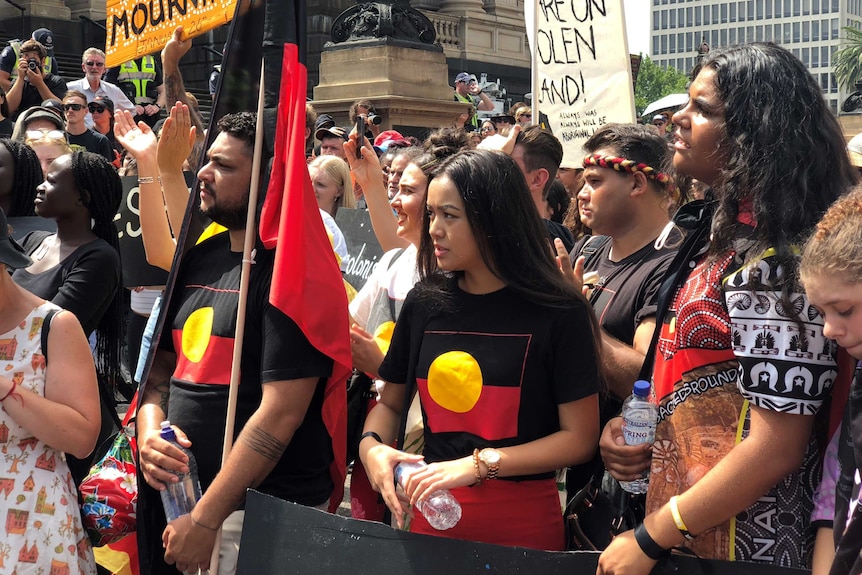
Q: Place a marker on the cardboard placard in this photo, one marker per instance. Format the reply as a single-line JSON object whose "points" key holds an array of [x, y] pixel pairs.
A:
{"points": [[136, 28], [363, 250], [585, 78], [136, 270], [277, 534]]}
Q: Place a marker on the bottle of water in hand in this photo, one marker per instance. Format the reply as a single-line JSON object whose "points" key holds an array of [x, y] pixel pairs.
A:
{"points": [[179, 498], [441, 510], [640, 416]]}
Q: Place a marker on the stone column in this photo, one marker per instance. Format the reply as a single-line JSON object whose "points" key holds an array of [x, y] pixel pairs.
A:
{"points": [[462, 7], [509, 8]]}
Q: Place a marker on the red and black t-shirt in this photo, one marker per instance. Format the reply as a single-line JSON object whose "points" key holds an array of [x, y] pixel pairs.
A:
{"points": [[491, 370], [200, 330]]}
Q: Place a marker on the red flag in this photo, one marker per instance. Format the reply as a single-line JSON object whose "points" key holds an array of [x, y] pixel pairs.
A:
{"points": [[305, 271]]}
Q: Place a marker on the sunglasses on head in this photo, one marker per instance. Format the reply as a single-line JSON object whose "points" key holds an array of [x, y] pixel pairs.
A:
{"points": [[45, 135], [95, 64], [95, 108], [76, 107]]}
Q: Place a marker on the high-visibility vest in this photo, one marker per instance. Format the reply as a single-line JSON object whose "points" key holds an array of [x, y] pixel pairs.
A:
{"points": [[16, 46], [140, 78]]}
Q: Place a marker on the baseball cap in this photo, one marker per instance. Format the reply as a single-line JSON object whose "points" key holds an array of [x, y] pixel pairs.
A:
{"points": [[387, 138], [660, 117], [104, 101], [11, 254], [323, 121], [45, 113], [464, 77], [44, 37], [503, 118], [335, 131]]}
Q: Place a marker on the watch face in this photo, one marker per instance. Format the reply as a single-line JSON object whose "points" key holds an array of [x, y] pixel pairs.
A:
{"points": [[490, 456]]}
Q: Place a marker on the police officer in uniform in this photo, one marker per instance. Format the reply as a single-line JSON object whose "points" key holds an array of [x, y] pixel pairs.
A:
{"points": [[141, 80]]}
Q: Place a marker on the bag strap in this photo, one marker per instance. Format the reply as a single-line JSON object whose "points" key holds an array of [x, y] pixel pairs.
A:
{"points": [[46, 327], [591, 247]]}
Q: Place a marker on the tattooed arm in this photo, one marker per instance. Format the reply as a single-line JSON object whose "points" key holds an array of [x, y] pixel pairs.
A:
{"points": [[155, 452], [175, 90], [189, 540]]}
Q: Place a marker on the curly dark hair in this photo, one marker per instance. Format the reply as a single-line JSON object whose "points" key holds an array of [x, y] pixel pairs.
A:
{"points": [[785, 150], [101, 191], [241, 125], [28, 175]]}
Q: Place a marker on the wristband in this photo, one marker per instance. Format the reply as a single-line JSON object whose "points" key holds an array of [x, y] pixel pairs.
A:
{"points": [[477, 468], [199, 524], [647, 544], [677, 518], [11, 389], [370, 434]]}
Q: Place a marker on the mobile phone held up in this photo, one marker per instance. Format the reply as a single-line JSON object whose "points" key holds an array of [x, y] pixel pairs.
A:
{"points": [[360, 134]]}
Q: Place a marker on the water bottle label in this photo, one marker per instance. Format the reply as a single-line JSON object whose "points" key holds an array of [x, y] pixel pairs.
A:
{"points": [[639, 427]]}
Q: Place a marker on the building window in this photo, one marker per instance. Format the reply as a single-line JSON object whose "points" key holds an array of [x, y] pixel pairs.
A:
{"points": [[697, 16], [834, 28], [835, 7], [815, 58], [786, 38], [655, 20], [768, 8], [733, 11], [796, 32], [672, 44], [654, 45], [806, 7], [804, 58], [797, 7], [732, 36], [758, 31], [824, 29], [664, 43], [664, 19], [724, 13], [815, 30], [715, 13], [815, 6], [824, 56], [689, 17], [723, 37], [806, 31], [672, 19]]}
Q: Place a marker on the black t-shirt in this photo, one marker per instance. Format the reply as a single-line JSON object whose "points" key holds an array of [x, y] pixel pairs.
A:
{"points": [[556, 230], [626, 292], [84, 283], [30, 96], [200, 330], [92, 141], [6, 128], [491, 370]]}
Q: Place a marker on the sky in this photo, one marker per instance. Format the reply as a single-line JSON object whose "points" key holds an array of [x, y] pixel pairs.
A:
{"points": [[637, 25]]}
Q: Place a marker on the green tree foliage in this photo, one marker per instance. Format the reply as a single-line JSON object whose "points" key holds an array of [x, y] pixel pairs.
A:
{"points": [[847, 61], [655, 82]]}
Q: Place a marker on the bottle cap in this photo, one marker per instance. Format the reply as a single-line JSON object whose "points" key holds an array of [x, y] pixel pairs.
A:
{"points": [[641, 388], [167, 432]]}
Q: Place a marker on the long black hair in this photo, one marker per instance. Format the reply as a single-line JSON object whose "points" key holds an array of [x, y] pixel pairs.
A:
{"points": [[28, 175], [101, 191], [785, 150]]}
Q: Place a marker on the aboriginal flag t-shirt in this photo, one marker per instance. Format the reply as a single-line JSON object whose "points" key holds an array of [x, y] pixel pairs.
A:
{"points": [[491, 369], [200, 330]]}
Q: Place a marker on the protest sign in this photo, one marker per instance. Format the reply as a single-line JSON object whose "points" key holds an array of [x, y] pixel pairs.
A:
{"points": [[136, 28], [276, 533], [136, 270], [363, 251], [584, 78]]}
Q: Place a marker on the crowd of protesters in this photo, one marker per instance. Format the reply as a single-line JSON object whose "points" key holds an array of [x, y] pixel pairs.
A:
{"points": [[711, 251]]}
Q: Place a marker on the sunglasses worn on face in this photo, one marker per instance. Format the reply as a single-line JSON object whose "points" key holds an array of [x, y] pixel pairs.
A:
{"points": [[95, 109], [76, 107], [95, 64]]}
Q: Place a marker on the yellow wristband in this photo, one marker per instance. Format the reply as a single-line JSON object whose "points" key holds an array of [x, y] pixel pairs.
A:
{"points": [[677, 518]]}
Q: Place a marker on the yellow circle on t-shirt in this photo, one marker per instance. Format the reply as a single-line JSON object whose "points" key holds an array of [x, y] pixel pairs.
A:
{"points": [[196, 333], [383, 335], [455, 381]]}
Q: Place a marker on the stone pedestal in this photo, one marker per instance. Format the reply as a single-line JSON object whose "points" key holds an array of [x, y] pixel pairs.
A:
{"points": [[462, 7], [851, 124], [89, 8], [39, 8], [408, 86]]}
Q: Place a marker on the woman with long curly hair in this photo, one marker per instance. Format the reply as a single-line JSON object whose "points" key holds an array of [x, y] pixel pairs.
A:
{"points": [[742, 365]]}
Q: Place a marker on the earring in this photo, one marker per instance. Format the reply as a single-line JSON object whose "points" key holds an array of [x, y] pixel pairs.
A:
{"points": [[79, 202]]}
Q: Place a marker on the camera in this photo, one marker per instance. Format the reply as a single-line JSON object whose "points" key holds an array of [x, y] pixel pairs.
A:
{"points": [[375, 119], [33, 64]]}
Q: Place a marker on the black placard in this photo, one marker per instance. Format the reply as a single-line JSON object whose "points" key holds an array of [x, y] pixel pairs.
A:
{"points": [[363, 251]]}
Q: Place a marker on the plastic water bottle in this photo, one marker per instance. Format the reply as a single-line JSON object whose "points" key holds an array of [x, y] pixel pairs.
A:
{"points": [[640, 416], [179, 498], [441, 510]]}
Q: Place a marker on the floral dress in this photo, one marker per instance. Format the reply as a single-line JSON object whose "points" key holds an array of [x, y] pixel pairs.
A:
{"points": [[42, 532]]}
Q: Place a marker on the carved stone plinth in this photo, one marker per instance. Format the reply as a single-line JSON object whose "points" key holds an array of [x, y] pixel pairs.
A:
{"points": [[408, 115], [40, 8], [360, 70]]}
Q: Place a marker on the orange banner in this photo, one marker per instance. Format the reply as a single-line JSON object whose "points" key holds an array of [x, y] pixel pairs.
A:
{"points": [[140, 27]]}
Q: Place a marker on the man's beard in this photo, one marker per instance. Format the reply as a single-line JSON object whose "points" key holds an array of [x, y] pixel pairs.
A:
{"points": [[232, 217]]}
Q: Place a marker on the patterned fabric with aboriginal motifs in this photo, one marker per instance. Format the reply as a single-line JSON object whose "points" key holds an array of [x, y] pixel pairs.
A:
{"points": [[42, 532], [727, 342]]}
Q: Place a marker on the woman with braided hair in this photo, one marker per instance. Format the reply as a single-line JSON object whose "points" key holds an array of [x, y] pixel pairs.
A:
{"points": [[78, 267], [742, 365], [20, 173]]}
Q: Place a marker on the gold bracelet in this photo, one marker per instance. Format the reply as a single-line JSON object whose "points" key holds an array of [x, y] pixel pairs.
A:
{"points": [[149, 180], [677, 518], [476, 466], [196, 522]]}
